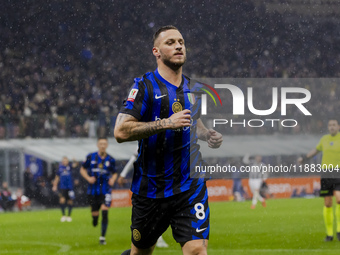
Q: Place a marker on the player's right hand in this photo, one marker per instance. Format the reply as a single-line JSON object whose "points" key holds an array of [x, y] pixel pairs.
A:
{"points": [[54, 188], [180, 119], [91, 179]]}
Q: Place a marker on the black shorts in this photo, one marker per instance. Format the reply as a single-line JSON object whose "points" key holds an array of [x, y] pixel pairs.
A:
{"points": [[68, 194], [96, 201], [328, 185], [187, 213]]}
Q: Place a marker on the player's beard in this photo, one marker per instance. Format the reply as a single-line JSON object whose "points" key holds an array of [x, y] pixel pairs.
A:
{"points": [[173, 65]]}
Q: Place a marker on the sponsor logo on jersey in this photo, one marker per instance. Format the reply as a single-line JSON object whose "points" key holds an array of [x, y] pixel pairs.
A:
{"points": [[200, 230], [158, 97]]}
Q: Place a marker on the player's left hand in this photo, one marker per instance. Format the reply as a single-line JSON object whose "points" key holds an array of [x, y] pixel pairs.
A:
{"points": [[214, 139]]}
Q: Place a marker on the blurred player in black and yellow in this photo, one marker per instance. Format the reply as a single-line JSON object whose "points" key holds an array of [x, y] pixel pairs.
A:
{"points": [[329, 145]]}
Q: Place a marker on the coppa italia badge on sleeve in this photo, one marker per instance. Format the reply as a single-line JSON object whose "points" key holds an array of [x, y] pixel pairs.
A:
{"points": [[132, 95], [176, 107]]}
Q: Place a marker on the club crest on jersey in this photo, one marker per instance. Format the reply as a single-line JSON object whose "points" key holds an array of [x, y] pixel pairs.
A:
{"points": [[107, 163], [100, 166], [132, 95], [176, 106]]}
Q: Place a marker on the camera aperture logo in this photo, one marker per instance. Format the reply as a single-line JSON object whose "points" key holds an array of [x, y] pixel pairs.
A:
{"points": [[204, 98], [239, 103]]}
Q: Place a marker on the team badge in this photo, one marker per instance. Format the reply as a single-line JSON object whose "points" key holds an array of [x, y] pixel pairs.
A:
{"points": [[132, 95], [136, 235], [107, 163], [176, 107], [100, 166]]}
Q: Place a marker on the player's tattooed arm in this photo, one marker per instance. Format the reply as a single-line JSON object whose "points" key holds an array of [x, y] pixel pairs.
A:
{"points": [[128, 128]]}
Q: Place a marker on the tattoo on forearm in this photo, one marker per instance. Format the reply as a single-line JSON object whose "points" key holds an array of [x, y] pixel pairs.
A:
{"points": [[139, 130]]}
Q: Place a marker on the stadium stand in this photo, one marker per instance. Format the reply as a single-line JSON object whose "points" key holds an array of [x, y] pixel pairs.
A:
{"points": [[66, 66]]}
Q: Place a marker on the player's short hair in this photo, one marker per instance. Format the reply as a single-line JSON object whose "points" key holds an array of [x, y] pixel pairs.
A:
{"points": [[333, 118], [102, 138], [162, 29]]}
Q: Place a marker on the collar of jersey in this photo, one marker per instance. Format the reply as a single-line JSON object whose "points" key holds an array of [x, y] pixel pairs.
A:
{"points": [[166, 82]]}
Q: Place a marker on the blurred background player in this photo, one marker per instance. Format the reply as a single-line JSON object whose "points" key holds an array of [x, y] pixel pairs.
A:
{"points": [[238, 190], [330, 146], [7, 201], [256, 179], [64, 178], [99, 171], [122, 179]]}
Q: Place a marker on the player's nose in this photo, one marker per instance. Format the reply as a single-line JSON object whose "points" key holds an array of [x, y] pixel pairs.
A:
{"points": [[179, 46]]}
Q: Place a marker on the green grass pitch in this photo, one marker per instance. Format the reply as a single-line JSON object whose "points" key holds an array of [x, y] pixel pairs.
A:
{"points": [[286, 226]]}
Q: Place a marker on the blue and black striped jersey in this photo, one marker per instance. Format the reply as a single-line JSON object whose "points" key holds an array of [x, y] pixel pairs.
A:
{"points": [[65, 175], [162, 168], [102, 169]]}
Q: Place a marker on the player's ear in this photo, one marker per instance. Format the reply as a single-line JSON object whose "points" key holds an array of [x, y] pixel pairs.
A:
{"points": [[155, 52]]}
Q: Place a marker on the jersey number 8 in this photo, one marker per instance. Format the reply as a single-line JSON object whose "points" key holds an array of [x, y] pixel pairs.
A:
{"points": [[199, 208]]}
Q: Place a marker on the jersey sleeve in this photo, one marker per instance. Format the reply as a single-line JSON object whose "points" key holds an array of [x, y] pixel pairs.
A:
{"points": [[319, 145], [137, 100], [87, 163]]}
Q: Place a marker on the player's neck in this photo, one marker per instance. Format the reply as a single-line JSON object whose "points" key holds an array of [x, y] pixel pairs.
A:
{"points": [[102, 154], [172, 76]]}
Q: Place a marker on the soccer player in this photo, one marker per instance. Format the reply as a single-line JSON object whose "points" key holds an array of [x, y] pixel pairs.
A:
{"points": [[256, 179], [122, 179], [64, 178], [99, 171], [157, 114], [330, 147]]}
